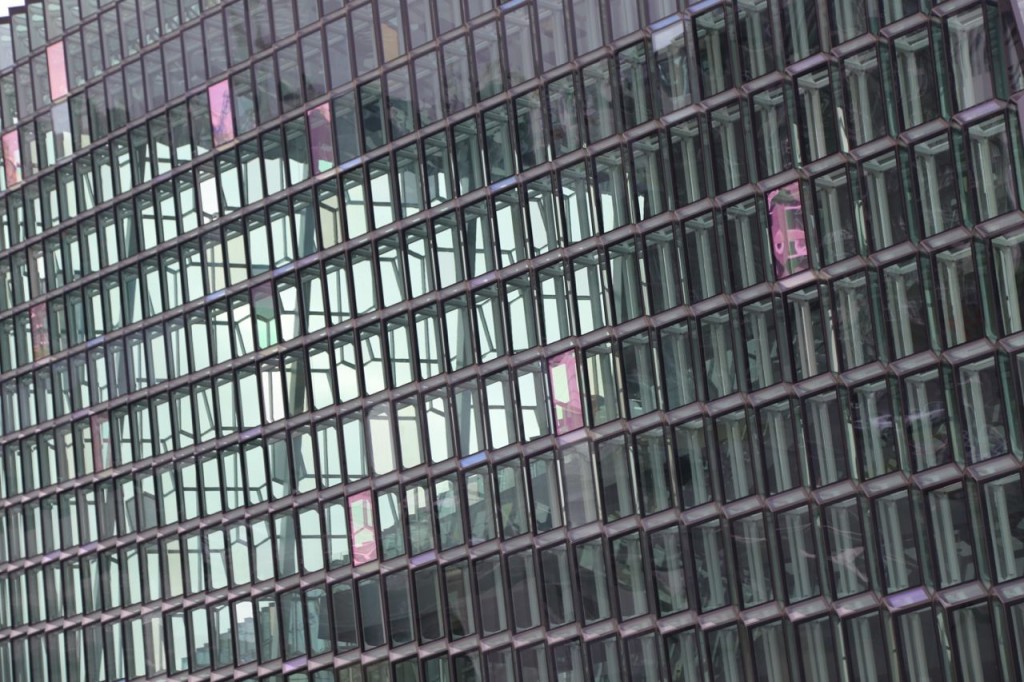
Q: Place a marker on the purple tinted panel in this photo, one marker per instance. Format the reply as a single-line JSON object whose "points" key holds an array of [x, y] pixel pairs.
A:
{"points": [[364, 542], [221, 113], [902, 600], [789, 242], [58, 72], [321, 138], [12, 157], [40, 331], [565, 393]]}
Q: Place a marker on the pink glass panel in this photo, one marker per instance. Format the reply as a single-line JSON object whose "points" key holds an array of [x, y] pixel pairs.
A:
{"points": [[364, 542], [321, 138], [40, 331], [12, 157], [221, 113], [789, 241], [100, 441], [58, 72], [565, 393]]}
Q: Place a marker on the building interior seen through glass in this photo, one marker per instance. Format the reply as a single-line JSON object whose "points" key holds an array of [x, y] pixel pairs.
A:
{"points": [[541, 341]]}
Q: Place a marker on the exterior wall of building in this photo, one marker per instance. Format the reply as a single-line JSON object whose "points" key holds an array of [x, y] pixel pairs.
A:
{"points": [[423, 340]]}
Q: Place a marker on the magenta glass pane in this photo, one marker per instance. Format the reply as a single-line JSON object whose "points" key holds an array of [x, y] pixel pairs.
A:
{"points": [[40, 331], [565, 393], [221, 113], [789, 242], [364, 542], [12, 157], [321, 138], [58, 72]]}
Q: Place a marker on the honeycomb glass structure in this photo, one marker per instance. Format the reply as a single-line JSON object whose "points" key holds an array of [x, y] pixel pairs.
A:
{"points": [[548, 341]]}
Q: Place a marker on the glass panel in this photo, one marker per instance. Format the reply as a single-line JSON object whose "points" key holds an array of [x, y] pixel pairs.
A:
{"points": [[321, 139], [735, 455], [677, 354], [866, 116], [873, 414], [1008, 262], [959, 295], [364, 543], [667, 567], [915, 70], [616, 477], [392, 536], [846, 544], [752, 560], [781, 447], [522, 578], [901, 563], [449, 512], [869, 659], [953, 538], [818, 135], [629, 576], [568, 662], [480, 506], [1004, 505], [565, 127], [557, 586], [970, 58], [593, 579], [653, 473], [633, 80], [986, 436], [927, 420], [719, 358], [709, 558], [992, 164], [692, 463], [905, 311], [796, 537], [604, 660], [600, 110], [713, 53], [729, 146], [816, 644], [56, 69], [490, 590], [12, 157], [459, 596], [799, 29], [974, 631], [221, 113], [545, 492], [685, 657], [919, 649], [371, 616], [725, 657], [937, 185], [580, 499], [565, 393]]}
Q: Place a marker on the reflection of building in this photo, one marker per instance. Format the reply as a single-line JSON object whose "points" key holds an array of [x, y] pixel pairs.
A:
{"points": [[421, 340], [788, 237]]}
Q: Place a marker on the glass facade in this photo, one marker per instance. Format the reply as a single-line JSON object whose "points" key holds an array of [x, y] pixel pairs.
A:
{"points": [[558, 341]]}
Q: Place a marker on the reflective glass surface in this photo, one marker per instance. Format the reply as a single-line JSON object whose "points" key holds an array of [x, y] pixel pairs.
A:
{"points": [[430, 340]]}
